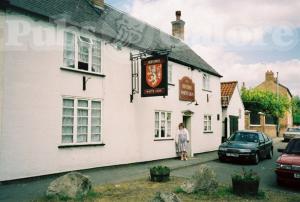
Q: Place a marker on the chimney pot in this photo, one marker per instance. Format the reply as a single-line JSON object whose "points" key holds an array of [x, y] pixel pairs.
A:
{"points": [[178, 26]]}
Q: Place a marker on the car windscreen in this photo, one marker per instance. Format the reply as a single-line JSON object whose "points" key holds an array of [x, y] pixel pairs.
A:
{"points": [[293, 147], [244, 137], [294, 130]]}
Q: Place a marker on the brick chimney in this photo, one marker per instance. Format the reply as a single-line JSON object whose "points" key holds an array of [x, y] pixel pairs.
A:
{"points": [[98, 4], [270, 76], [178, 26]]}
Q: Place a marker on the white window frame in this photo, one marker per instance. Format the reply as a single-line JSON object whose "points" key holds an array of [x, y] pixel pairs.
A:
{"points": [[75, 121], [168, 126], [207, 124], [206, 81], [170, 74], [77, 40]]}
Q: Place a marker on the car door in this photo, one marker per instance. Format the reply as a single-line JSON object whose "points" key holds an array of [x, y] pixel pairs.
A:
{"points": [[261, 145], [268, 144]]}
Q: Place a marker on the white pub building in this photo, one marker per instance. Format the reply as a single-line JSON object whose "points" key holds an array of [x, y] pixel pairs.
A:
{"points": [[71, 84]]}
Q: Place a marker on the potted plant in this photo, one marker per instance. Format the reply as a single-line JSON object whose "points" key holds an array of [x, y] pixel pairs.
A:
{"points": [[245, 183], [160, 173]]}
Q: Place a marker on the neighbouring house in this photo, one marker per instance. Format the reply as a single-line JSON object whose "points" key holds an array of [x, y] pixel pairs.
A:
{"points": [[265, 122], [233, 112], [76, 85]]}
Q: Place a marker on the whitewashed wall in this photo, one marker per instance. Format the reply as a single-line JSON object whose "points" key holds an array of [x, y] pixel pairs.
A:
{"points": [[235, 108], [34, 86]]}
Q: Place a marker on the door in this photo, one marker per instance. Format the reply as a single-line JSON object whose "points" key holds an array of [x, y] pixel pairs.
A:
{"points": [[234, 124], [186, 120], [225, 129]]}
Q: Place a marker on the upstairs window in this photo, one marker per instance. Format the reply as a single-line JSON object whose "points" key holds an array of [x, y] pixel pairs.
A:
{"points": [[82, 53], [206, 82], [170, 74]]}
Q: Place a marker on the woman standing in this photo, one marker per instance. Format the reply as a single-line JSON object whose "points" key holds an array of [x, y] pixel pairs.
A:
{"points": [[182, 139]]}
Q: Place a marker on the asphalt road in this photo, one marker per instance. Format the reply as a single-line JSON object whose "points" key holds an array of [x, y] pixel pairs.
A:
{"points": [[265, 170]]}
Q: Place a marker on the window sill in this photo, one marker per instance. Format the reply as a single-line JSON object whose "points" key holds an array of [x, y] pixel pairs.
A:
{"points": [[167, 139], [82, 71], [207, 132], [207, 90], [254, 125], [81, 145]]}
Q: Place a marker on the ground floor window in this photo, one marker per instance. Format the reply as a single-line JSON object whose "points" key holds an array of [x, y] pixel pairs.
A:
{"points": [[207, 123], [162, 124], [81, 121]]}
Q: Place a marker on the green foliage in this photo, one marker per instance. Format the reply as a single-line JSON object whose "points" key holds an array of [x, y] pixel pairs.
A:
{"points": [[246, 176], [296, 110], [160, 170], [178, 190], [266, 101]]}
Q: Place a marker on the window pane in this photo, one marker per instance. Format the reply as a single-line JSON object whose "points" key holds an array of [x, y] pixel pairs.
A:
{"points": [[82, 121], [69, 50], [82, 112], [156, 116], [82, 138], [68, 103], [96, 60], [169, 133], [96, 121], [163, 115], [95, 129], [95, 138], [96, 113], [82, 129], [67, 121], [67, 130], [156, 133], [96, 105], [68, 112], [156, 124], [83, 103], [67, 139]]}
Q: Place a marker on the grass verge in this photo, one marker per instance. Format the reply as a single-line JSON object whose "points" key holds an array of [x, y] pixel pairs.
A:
{"points": [[144, 190]]}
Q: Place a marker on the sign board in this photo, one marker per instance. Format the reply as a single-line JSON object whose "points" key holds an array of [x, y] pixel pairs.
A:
{"points": [[186, 89], [154, 76]]}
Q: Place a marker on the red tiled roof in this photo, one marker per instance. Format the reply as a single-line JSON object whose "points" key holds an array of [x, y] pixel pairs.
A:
{"points": [[227, 89]]}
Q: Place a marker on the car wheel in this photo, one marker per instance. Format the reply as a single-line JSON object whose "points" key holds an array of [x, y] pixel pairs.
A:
{"points": [[221, 159], [256, 159], [270, 154]]}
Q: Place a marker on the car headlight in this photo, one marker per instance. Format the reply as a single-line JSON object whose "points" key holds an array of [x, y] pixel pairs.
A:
{"points": [[283, 166], [222, 149], [245, 150]]}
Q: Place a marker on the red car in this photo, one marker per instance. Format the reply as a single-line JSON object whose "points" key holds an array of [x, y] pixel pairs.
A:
{"points": [[288, 164]]}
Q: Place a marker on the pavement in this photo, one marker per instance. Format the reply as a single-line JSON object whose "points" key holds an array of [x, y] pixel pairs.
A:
{"points": [[28, 190]]}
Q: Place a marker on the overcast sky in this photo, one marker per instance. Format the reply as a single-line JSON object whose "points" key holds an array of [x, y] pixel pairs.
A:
{"points": [[240, 39]]}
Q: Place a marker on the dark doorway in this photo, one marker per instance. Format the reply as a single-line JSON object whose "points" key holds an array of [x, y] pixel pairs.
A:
{"points": [[187, 122], [225, 130], [234, 124]]}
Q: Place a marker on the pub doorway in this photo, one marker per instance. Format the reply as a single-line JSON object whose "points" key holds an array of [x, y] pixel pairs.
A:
{"points": [[187, 122]]}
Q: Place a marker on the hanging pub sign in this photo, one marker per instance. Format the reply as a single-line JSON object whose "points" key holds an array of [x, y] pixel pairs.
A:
{"points": [[155, 76], [186, 89]]}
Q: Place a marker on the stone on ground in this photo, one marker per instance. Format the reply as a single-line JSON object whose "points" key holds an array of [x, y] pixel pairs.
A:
{"points": [[166, 197], [72, 185]]}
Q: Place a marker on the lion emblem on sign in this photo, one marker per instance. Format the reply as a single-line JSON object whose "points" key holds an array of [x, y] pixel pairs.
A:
{"points": [[153, 74]]}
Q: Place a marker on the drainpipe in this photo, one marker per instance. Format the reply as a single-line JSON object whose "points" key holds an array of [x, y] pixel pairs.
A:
{"points": [[277, 95]]}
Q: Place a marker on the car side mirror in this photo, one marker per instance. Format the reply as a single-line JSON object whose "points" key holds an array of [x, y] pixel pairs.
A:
{"points": [[281, 150]]}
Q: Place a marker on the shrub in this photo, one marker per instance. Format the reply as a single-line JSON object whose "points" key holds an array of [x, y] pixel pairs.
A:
{"points": [[160, 170], [246, 176], [204, 179]]}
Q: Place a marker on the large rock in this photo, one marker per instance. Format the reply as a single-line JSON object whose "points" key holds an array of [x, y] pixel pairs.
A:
{"points": [[189, 187], [72, 185], [165, 197]]}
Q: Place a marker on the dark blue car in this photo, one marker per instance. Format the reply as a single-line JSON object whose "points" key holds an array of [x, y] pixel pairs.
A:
{"points": [[246, 145]]}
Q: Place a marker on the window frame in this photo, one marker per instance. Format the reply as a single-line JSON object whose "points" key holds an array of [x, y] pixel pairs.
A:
{"points": [[76, 125], [92, 43], [170, 74], [168, 126], [206, 81], [205, 123]]}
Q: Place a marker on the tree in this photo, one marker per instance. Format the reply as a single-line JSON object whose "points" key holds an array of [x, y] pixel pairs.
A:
{"points": [[296, 110], [265, 101]]}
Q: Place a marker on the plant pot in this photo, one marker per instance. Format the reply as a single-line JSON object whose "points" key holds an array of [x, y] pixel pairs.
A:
{"points": [[242, 187], [160, 177]]}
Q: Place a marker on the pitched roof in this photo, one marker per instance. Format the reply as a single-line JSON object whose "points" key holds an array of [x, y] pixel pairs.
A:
{"points": [[116, 27], [227, 90]]}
